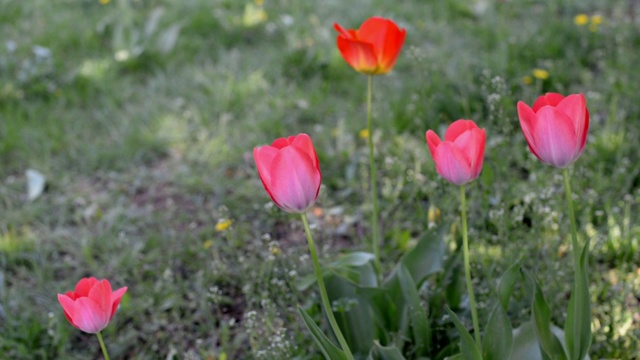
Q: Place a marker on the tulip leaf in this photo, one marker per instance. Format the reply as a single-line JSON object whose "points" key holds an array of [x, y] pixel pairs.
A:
{"points": [[578, 324], [468, 347], [507, 284], [414, 311], [526, 344], [353, 311], [498, 335], [426, 258], [330, 351], [356, 258], [550, 346], [379, 352]]}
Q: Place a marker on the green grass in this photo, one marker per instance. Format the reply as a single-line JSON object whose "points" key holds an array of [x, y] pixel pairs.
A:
{"points": [[144, 156]]}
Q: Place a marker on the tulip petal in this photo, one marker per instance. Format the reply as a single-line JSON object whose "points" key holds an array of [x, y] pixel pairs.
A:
{"points": [[550, 99], [116, 297], [387, 40], [263, 157], [556, 140], [392, 46], [433, 140], [575, 107], [68, 305], [84, 286], [343, 32], [101, 294], [304, 143], [528, 119], [88, 316], [452, 165], [358, 54], [458, 127], [295, 181], [476, 152]]}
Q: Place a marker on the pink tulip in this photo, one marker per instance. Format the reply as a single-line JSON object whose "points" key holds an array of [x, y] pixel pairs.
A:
{"points": [[92, 305], [460, 156], [290, 172], [555, 128]]}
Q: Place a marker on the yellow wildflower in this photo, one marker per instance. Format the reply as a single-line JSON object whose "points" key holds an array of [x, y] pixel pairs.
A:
{"points": [[259, 2], [527, 80], [223, 224], [541, 74], [581, 19], [207, 244], [275, 250], [433, 214], [104, 2], [596, 19], [364, 133]]}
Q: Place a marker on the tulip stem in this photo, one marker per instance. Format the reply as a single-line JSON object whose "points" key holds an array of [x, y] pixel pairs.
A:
{"points": [[572, 216], [375, 234], [102, 346], [323, 291], [467, 268]]}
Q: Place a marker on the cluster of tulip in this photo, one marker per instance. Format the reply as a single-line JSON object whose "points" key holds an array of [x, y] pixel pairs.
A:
{"points": [[555, 128]]}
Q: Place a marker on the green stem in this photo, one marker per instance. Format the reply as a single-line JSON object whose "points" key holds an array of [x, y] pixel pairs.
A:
{"points": [[104, 348], [375, 235], [323, 290], [572, 216], [467, 268]]}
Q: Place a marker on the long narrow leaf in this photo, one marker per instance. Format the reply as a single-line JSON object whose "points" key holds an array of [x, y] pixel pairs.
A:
{"points": [[468, 347], [550, 346], [330, 351], [498, 336], [577, 328], [507, 284], [417, 316], [379, 352]]}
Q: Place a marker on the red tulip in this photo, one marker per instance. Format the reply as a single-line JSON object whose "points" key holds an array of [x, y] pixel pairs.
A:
{"points": [[92, 305], [460, 156], [556, 127], [372, 49], [290, 172]]}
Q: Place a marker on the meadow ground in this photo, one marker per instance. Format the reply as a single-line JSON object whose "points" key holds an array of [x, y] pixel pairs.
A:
{"points": [[143, 115]]}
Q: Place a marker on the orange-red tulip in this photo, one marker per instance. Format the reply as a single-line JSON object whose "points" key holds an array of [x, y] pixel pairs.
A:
{"points": [[91, 306], [290, 172], [460, 156], [373, 48], [556, 127]]}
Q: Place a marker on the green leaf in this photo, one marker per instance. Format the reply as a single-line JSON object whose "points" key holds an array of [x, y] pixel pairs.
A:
{"points": [[427, 257], [577, 327], [498, 336], [468, 347], [330, 351], [507, 284], [379, 352], [415, 312], [353, 312], [357, 258], [525, 343], [550, 346]]}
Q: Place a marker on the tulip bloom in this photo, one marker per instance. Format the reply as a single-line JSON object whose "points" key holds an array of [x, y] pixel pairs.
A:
{"points": [[555, 128], [373, 48], [92, 305], [460, 156], [290, 172]]}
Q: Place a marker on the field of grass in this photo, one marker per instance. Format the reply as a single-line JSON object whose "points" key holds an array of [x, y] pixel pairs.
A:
{"points": [[143, 115]]}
